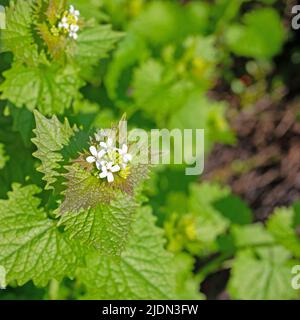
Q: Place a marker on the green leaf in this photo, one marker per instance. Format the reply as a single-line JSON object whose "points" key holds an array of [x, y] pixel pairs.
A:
{"points": [[142, 272], [234, 209], [85, 190], [261, 36], [251, 235], [90, 9], [50, 89], [130, 50], [208, 222], [2, 278], [296, 207], [51, 137], [280, 225], [106, 226], [157, 91], [31, 247], [263, 274], [95, 43], [17, 36], [199, 112], [187, 287], [23, 122], [196, 224], [3, 157]]}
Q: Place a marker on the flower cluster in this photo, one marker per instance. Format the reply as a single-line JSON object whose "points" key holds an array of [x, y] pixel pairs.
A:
{"points": [[69, 22], [109, 159]]}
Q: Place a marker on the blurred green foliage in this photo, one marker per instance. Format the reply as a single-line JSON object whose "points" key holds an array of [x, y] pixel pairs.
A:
{"points": [[157, 61]]}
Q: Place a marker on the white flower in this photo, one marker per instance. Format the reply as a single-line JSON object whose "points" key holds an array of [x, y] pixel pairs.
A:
{"points": [[74, 28], [73, 35], [69, 22], [64, 23], [107, 146], [108, 169], [95, 157], [127, 157], [74, 12]]}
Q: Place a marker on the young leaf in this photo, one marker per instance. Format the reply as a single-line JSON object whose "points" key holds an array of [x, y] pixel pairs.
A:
{"points": [[106, 226], [51, 137], [142, 272], [31, 246], [85, 190]]}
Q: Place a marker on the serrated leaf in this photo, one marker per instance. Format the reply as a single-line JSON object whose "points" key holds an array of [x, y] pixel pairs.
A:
{"points": [[106, 226], [85, 190], [51, 137], [262, 275], [280, 225], [95, 43], [142, 272], [17, 36], [50, 89], [31, 246]]}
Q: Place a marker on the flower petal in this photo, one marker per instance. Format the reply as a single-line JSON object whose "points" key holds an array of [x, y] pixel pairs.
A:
{"points": [[103, 164], [124, 148], [115, 168], [103, 175], [128, 157], [109, 165], [101, 153], [110, 177], [90, 159], [98, 165], [103, 145], [109, 142], [93, 151]]}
